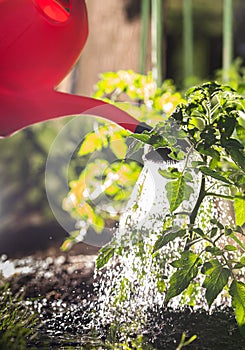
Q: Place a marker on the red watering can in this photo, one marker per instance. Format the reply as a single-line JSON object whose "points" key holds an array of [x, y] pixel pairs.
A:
{"points": [[40, 41]]}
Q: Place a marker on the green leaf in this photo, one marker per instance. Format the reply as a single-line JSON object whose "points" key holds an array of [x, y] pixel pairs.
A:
{"points": [[240, 264], [242, 260], [239, 206], [207, 151], [237, 292], [230, 248], [238, 229], [213, 232], [214, 174], [237, 156], [161, 285], [168, 236], [144, 137], [171, 173], [178, 191], [216, 279], [226, 125], [105, 254], [233, 143], [199, 123], [228, 231], [213, 250], [241, 133], [187, 267], [238, 241]]}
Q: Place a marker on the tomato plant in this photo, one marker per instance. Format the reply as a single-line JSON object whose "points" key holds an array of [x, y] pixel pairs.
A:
{"points": [[213, 121]]}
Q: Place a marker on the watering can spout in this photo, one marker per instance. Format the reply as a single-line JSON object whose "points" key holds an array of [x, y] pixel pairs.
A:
{"points": [[51, 104], [41, 40]]}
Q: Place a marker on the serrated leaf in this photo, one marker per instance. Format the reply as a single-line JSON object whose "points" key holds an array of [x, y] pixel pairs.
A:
{"points": [[105, 254], [177, 191], [216, 279], [214, 174], [239, 206], [168, 236], [237, 292], [187, 267]]}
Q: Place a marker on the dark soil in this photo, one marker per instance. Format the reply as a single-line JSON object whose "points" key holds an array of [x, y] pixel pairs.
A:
{"points": [[61, 289]]}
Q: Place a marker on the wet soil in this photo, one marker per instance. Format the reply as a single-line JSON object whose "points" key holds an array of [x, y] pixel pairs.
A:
{"points": [[60, 288]]}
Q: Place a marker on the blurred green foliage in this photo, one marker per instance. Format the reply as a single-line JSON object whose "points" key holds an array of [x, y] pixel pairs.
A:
{"points": [[235, 76], [104, 184], [99, 192], [23, 159], [23, 198]]}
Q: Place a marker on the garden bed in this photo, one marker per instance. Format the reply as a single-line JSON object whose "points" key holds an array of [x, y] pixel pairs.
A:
{"points": [[60, 288]]}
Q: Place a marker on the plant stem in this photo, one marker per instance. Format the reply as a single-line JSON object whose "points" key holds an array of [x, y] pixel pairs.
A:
{"points": [[157, 37], [200, 198], [188, 38], [194, 213], [145, 12], [220, 195], [229, 265], [227, 38]]}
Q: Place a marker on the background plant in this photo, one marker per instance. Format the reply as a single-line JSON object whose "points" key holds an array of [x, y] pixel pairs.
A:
{"points": [[102, 178]]}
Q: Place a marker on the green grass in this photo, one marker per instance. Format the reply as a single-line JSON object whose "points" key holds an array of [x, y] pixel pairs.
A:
{"points": [[18, 323]]}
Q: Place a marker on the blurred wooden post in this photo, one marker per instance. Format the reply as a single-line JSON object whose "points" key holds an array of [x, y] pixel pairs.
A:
{"points": [[157, 40], [188, 38], [227, 37], [113, 43], [145, 13]]}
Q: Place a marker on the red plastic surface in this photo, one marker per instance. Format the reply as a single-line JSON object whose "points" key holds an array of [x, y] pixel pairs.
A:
{"points": [[40, 41]]}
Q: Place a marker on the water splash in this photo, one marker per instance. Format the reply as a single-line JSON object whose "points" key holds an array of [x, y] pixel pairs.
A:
{"points": [[134, 280]]}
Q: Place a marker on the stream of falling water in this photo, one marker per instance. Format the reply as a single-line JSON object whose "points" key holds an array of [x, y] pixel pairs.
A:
{"points": [[133, 281]]}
